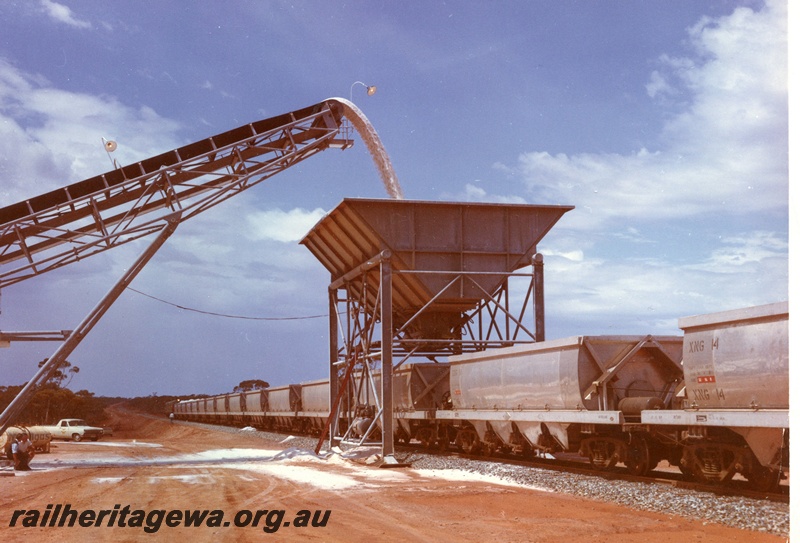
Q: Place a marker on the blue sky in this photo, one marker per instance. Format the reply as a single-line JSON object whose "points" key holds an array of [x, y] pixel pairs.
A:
{"points": [[664, 123]]}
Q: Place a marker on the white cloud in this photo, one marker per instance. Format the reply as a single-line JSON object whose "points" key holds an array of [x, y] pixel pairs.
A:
{"points": [[62, 14], [235, 259], [575, 256], [725, 150], [658, 85], [284, 226], [626, 294], [474, 193], [53, 137], [744, 250], [723, 157]]}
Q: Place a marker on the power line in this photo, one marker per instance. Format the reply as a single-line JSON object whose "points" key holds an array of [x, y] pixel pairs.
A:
{"points": [[213, 314]]}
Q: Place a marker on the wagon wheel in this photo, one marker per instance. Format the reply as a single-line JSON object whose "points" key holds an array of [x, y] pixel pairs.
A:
{"points": [[686, 471], [602, 463], [402, 437], [444, 438], [638, 457], [490, 448], [468, 441], [602, 456], [427, 437], [764, 479]]}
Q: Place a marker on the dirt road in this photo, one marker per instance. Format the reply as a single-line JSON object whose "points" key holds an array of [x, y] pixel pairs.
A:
{"points": [[152, 477]]}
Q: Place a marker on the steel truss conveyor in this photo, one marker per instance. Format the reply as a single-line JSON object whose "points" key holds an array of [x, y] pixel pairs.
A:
{"points": [[153, 196], [70, 223]]}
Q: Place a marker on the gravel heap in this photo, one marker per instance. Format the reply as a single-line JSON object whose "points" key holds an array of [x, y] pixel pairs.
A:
{"points": [[736, 512]]}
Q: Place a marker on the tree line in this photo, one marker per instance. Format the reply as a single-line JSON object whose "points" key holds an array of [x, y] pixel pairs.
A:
{"points": [[52, 401]]}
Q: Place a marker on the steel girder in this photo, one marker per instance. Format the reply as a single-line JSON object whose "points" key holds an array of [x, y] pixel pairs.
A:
{"points": [[361, 368], [103, 212], [75, 337], [148, 197]]}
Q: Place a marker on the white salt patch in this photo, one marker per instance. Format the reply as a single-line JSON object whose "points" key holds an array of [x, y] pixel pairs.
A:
{"points": [[93, 461], [338, 460], [203, 479], [133, 443], [368, 472], [195, 479], [300, 455], [107, 479], [361, 452], [384, 475], [247, 454], [466, 476], [293, 464], [302, 474], [211, 457], [227, 454]]}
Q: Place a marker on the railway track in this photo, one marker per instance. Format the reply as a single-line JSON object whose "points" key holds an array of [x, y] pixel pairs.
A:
{"points": [[574, 464], [663, 493]]}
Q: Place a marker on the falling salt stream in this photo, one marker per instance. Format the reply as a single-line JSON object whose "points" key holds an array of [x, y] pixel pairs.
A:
{"points": [[373, 143]]}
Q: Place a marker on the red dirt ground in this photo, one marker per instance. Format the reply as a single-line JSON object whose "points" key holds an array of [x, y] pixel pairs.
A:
{"points": [[365, 503]]}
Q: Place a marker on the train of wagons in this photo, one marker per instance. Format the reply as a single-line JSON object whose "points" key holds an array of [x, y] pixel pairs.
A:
{"points": [[713, 402]]}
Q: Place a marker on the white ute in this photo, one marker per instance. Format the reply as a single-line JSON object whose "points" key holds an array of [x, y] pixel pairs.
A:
{"points": [[75, 430]]}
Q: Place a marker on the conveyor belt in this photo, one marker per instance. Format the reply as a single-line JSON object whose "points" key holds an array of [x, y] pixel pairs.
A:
{"points": [[207, 146], [106, 210]]}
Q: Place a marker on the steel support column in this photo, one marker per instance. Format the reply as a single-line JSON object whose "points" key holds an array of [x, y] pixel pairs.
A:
{"points": [[77, 335], [387, 341], [538, 295], [333, 356]]}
